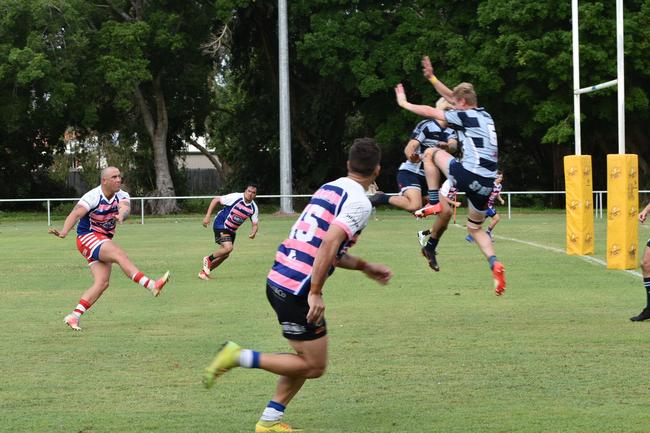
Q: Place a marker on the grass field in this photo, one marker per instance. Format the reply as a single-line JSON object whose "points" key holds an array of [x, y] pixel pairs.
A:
{"points": [[431, 352]]}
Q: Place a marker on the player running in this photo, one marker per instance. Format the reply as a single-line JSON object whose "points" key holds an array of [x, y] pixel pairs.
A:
{"points": [[238, 207], [98, 211], [475, 174], [317, 244]]}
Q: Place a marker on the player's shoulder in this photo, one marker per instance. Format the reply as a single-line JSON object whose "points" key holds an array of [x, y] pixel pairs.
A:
{"points": [[123, 195], [91, 198]]}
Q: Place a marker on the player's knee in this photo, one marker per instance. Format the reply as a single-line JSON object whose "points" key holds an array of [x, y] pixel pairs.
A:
{"points": [[227, 249], [102, 285], [316, 371], [429, 152]]}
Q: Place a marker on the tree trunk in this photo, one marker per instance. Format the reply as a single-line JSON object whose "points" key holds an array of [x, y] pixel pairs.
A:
{"points": [[221, 168], [157, 130]]}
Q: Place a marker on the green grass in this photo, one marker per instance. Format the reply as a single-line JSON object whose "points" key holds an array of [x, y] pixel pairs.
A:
{"points": [[430, 352]]}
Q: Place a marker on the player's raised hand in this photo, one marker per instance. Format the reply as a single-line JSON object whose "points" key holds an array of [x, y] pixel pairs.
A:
{"points": [[427, 69], [400, 95], [252, 235], [316, 312], [56, 233], [378, 272], [643, 215], [206, 221]]}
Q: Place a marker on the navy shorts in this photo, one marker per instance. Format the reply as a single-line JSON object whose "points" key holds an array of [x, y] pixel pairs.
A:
{"points": [[223, 235], [407, 179], [292, 315], [477, 188], [491, 212]]}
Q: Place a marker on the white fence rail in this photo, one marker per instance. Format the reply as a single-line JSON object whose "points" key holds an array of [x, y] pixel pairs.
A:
{"points": [[598, 200]]}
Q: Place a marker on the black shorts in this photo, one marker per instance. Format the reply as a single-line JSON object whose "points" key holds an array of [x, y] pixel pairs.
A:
{"points": [[223, 235], [292, 315], [407, 179], [477, 188]]}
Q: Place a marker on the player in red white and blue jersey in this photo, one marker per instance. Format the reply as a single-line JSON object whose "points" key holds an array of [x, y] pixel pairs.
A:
{"points": [[317, 244], [237, 208], [474, 174], [98, 212]]}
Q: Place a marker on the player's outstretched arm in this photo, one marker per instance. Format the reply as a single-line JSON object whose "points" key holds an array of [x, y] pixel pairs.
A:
{"points": [[376, 271], [77, 212], [420, 110], [427, 71], [215, 201], [124, 210], [254, 230], [410, 150]]}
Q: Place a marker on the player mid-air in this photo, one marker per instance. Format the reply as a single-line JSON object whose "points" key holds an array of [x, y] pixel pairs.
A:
{"points": [[474, 174]]}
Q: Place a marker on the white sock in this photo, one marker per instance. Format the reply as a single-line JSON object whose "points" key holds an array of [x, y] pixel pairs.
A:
{"points": [[246, 358], [271, 414]]}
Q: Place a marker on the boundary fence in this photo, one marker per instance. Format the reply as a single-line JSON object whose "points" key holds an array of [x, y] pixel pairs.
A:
{"points": [[599, 197]]}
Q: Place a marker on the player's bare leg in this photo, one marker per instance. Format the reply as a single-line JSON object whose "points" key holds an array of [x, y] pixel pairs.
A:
{"points": [[410, 200], [434, 161], [110, 252], [439, 227], [101, 275], [645, 269], [484, 242], [221, 254]]}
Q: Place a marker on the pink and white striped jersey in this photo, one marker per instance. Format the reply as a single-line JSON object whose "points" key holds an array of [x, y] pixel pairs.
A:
{"points": [[496, 190], [342, 202], [101, 212], [235, 212]]}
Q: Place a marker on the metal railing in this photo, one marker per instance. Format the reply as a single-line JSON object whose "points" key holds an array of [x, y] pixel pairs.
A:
{"points": [[598, 200]]}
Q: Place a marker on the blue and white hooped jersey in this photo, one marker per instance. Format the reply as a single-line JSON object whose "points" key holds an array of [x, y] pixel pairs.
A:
{"points": [[478, 136], [428, 133], [235, 212]]}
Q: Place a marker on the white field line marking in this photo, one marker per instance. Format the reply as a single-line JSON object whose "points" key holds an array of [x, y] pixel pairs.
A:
{"points": [[560, 251]]}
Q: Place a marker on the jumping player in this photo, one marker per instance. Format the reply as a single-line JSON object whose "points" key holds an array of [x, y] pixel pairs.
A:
{"points": [[98, 211], [475, 174], [238, 207], [317, 244], [492, 211]]}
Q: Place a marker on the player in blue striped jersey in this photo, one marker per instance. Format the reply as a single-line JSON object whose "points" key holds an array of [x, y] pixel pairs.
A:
{"points": [[475, 173]]}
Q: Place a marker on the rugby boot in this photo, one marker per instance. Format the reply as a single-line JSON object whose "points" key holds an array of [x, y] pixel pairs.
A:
{"points": [[72, 321], [273, 426], [206, 265], [499, 275], [160, 283], [226, 358], [204, 276], [429, 209], [431, 258], [422, 238], [643, 315]]}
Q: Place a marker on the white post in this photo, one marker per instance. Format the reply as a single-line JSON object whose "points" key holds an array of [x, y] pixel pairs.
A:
{"points": [[620, 75], [576, 76], [49, 216], [286, 204], [142, 210], [509, 208]]}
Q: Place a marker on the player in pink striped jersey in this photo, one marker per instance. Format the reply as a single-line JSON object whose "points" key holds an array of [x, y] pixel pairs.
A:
{"points": [[237, 208], [98, 212], [317, 244]]}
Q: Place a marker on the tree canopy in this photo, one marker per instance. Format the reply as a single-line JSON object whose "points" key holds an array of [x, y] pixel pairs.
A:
{"points": [[160, 72]]}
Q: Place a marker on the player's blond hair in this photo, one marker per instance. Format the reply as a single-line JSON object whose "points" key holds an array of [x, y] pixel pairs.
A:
{"points": [[465, 91], [443, 104]]}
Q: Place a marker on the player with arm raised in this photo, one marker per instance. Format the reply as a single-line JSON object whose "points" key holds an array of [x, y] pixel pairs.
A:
{"points": [[317, 244], [98, 212], [474, 174], [237, 208]]}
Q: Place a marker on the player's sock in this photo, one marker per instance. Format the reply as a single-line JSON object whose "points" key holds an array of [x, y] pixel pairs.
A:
{"points": [[434, 198], [646, 283], [82, 307], [144, 281], [489, 230], [432, 244], [249, 359], [273, 412], [492, 260]]}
